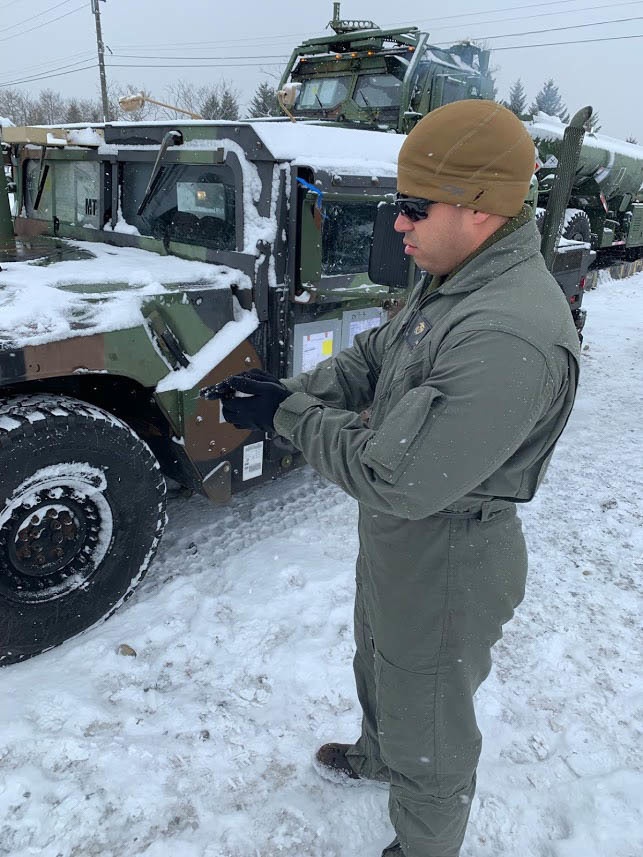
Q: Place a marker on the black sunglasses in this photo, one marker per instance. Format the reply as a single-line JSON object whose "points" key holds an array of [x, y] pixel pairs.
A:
{"points": [[413, 207]]}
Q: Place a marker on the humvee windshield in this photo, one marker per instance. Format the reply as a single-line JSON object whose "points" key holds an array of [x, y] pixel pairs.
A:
{"points": [[190, 203]]}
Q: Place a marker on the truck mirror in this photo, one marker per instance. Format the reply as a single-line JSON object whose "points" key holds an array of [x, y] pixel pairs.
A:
{"points": [[388, 265]]}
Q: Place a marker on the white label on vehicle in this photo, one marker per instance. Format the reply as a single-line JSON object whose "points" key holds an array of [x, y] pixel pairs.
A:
{"points": [[252, 460], [316, 347], [360, 326]]}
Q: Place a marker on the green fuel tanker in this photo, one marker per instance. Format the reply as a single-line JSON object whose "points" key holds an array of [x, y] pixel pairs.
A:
{"points": [[602, 208]]}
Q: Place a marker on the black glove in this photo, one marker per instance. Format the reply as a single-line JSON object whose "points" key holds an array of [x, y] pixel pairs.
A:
{"points": [[255, 411], [223, 390]]}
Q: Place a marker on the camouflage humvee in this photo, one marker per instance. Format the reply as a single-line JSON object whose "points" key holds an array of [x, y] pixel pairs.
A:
{"points": [[150, 260]]}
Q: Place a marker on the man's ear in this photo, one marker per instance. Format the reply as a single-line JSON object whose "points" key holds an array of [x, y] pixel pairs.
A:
{"points": [[479, 217]]}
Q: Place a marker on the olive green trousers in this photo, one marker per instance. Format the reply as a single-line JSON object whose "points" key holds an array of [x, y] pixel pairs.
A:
{"points": [[431, 600]]}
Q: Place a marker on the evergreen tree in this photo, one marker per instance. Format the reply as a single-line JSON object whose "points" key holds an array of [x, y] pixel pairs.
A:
{"points": [[73, 114], [219, 102], [210, 108], [548, 101], [594, 124], [229, 103], [264, 102], [517, 99]]}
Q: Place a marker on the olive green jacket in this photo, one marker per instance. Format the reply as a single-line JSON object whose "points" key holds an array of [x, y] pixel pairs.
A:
{"points": [[469, 388]]}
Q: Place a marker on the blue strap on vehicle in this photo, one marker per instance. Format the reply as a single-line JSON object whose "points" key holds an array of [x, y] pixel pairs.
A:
{"points": [[318, 193]]}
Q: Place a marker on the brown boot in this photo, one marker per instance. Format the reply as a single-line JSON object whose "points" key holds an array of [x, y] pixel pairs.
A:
{"points": [[331, 759]]}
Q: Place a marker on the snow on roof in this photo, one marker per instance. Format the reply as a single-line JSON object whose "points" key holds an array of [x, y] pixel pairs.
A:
{"points": [[44, 303], [329, 148], [545, 127]]}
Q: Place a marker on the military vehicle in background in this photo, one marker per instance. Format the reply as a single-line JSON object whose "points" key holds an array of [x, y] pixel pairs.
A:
{"points": [[150, 260], [387, 80], [362, 75], [603, 208]]}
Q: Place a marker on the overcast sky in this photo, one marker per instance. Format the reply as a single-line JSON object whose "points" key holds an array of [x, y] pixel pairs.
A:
{"points": [[247, 42]]}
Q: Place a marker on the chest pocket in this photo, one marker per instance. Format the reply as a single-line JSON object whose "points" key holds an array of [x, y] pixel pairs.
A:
{"points": [[408, 363], [418, 327]]}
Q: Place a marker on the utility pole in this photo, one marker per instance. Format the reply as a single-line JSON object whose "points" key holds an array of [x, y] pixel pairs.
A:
{"points": [[101, 60]]}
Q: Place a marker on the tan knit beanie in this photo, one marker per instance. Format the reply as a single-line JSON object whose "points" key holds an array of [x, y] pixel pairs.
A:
{"points": [[472, 153]]}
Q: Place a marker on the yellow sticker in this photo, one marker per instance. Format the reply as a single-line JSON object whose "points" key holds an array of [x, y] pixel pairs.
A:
{"points": [[327, 347]]}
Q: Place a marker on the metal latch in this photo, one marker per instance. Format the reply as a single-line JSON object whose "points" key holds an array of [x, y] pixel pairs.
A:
{"points": [[166, 341]]}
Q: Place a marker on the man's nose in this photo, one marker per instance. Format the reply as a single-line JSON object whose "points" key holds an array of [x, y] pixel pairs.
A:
{"points": [[403, 223]]}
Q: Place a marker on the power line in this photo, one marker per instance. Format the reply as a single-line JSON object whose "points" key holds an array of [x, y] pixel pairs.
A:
{"points": [[33, 17], [578, 42], [504, 9], [243, 42], [280, 57], [199, 65], [44, 24], [86, 55], [280, 36], [48, 72], [195, 58], [46, 76], [557, 29], [539, 15], [504, 48]]}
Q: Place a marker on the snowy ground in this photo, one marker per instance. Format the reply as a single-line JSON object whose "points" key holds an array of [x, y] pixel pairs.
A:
{"points": [[201, 746]]}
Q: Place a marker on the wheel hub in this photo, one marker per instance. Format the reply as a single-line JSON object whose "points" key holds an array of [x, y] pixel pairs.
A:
{"points": [[48, 544]]}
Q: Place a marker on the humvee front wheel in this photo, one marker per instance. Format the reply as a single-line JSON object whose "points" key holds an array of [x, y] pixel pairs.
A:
{"points": [[82, 509]]}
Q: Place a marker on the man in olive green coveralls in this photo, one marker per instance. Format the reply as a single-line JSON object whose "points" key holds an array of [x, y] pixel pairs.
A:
{"points": [[469, 388]]}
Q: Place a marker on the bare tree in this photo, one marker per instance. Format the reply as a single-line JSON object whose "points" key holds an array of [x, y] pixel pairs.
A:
{"points": [[145, 112], [17, 106], [186, 95], [51, 106], [90, 111]]}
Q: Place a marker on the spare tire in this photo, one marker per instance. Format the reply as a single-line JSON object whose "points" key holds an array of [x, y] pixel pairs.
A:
{"points": [[82, 510], [577, 226]]}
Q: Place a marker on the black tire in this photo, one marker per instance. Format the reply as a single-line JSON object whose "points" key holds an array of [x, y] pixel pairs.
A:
{"points": [[577, 227], [82, 510]]}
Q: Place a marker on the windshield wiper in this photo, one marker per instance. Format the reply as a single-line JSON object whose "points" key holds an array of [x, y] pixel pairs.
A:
{"points": [[172, 138]]}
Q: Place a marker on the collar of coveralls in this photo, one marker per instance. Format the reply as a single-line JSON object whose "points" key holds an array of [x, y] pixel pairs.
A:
{"points": [[513, 224]]}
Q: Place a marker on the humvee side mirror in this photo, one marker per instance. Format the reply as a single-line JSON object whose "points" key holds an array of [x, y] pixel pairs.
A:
{"points": [[388, 265]]}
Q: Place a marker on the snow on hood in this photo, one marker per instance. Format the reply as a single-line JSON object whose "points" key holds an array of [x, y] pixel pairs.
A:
{"points": [[333, 149], [45, 303]]}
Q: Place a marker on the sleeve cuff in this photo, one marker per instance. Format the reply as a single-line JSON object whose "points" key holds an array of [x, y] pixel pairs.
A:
{"points": [[291, 409]]}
